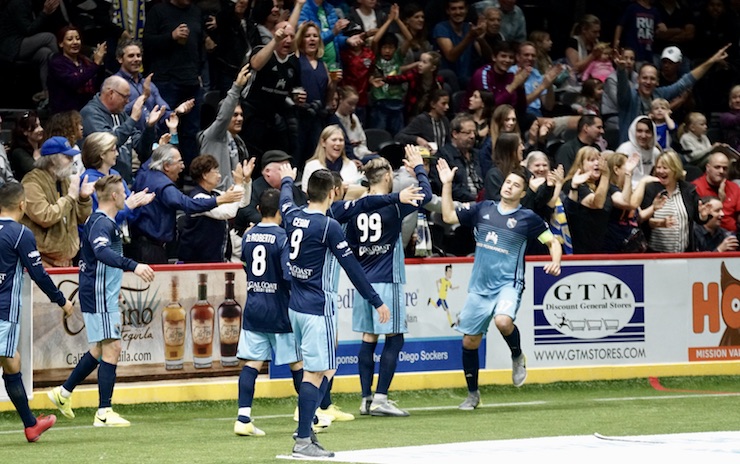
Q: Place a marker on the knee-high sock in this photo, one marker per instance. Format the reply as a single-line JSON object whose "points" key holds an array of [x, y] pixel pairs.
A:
{"points": [[326, 399], [17, 393], [388, 362], [297, 379], [308, 400], [514, 342], [84, 368], [106, 382], [366, 367], [471, 365]]}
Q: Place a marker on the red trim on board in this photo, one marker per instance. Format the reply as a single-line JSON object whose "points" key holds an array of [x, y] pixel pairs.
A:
{"points": [[655, 383]]}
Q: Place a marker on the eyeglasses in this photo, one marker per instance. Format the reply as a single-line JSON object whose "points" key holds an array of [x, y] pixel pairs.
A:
{"points": [[123, 95]]}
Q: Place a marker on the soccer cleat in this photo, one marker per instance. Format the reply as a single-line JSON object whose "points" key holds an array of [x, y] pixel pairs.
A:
{"points": [[336, 413], [110, 419], [305, 448], [322, 417], [43, 423], [320, 423], [365, 406], [471, 402], [387, 408], [247, 429], [64, 404], [519, 370]]}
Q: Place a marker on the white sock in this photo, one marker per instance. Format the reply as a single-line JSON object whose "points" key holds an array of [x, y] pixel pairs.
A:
{"points": [[245, 412], [101, 411], [65, 393], [380, 398]]}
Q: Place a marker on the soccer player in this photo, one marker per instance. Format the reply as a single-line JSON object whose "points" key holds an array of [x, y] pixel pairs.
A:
{"points": [[444, 284], [17, 251], [501, 230], [101, 273], [375, 237], [313, 238]]}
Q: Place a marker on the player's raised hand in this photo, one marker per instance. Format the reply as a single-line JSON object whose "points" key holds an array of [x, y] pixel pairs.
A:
{"points": [[413, 156], [286, 170], [145, 272], [384, 314], [445, 173], [411, 195]]}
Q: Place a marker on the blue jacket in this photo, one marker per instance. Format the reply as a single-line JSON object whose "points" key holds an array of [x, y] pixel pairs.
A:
{"points": [[157, 220], [310, 12]]}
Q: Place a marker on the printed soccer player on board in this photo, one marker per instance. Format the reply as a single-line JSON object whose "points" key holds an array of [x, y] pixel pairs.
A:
{"points": [[17, 251], [101, 274], [443, 285], [502, 230]]}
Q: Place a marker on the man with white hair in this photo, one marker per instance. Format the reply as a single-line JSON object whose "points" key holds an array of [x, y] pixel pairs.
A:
{"points": [[106, 113], [56, 202]]}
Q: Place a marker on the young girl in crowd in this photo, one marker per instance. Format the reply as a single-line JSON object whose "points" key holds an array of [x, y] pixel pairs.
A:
{"points": [[543, 45], [480, 106], [694, 140], [589, 101], [601, 67], [348, 99], [421, 80]]}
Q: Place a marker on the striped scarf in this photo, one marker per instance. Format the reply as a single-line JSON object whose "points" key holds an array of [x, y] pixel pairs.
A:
{"points": [[559, 227], [122, 16]]}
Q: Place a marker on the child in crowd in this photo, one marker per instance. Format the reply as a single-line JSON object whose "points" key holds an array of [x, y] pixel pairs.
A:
{"points": [[660, 113], [694, 140], [421, 80], [387, 99], [543, 45], [589, 101], [357, 64], [601, 67]]}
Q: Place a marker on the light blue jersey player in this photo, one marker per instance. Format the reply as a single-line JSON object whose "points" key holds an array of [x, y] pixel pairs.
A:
{"points": [[501, 231], [375, 237], [17, 251], [101, 274], [312, 239], [265, 325]]}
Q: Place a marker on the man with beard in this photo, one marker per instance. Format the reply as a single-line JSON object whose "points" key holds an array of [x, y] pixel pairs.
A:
{"points": [[56, 202]]}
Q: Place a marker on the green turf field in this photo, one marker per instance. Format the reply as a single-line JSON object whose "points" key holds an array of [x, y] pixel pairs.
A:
{"points": [[201, 432]]}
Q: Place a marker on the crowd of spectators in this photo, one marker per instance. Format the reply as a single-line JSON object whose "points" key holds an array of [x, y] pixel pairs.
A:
{"points": [[629, 128]]}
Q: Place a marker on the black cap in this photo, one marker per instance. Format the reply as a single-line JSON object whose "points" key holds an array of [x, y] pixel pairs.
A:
{"points": [[274, 156]]}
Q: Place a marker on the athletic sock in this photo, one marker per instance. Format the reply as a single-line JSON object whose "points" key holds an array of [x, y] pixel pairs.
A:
{"points": [[308, 399], [514, 342], [247, 378], [388, 362], [471, 364], [84, 368], [297, 379], [17, 393], [326, 399], [244, 415], [106, 382], [366, 367]]}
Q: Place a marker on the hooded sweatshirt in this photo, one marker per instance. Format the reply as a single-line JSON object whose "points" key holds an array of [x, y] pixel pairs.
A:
{"points": [[646, 155]]}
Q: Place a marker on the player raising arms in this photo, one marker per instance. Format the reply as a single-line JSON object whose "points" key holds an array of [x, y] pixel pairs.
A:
{"points": [[101, 274], [501, 231], [313, 238], [18, 251]]}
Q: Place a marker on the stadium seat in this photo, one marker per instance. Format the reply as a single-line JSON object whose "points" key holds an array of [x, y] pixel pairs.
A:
{"points": [[376, 138], [209, 109], [612, 138], [714, 134]]}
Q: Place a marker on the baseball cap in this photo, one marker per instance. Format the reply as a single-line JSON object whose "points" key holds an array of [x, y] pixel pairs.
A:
{"points": [[672, 53], [274, 156], [58, 146]]}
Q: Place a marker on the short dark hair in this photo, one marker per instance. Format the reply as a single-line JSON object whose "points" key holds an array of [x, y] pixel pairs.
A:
{"points": [[338, 181], [503, 46], [320, 184], [389, 38], [437, 94], [519, 171], [201, 165], [104, 186], [586, 120], [11, 194], [127, 43], [269, 204], [448, 267]]}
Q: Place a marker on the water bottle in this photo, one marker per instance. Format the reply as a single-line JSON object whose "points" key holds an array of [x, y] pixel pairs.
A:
{"points": [[423, 237]]}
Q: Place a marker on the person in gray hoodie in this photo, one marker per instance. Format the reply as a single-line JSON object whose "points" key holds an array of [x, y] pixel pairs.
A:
{"points": [[634, 102]]}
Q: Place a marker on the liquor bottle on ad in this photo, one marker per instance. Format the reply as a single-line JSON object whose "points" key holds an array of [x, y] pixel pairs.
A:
{"points": [[229, 324], [201, 326], [173, 330]]}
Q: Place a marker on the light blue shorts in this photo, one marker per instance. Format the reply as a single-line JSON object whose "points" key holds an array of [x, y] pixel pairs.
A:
{"points": [[259, 346], [365, 317], [9, 333], [317, 340], [102, 326], [478, 310]]}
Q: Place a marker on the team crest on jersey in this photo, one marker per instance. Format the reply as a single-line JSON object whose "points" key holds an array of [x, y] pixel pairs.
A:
{"points": [[492, 237], [342, 245], [511, 223]]}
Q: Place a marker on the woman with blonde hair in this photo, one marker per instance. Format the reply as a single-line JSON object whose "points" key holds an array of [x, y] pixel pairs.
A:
{"points": [[671, 227], [584, 47], [330, 154]]}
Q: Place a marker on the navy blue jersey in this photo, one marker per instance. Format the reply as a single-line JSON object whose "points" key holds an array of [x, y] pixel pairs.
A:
{"points": [[102, 264], [18, 251], [500, 241], [375, 236], [313, 238], [265, 259]]}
